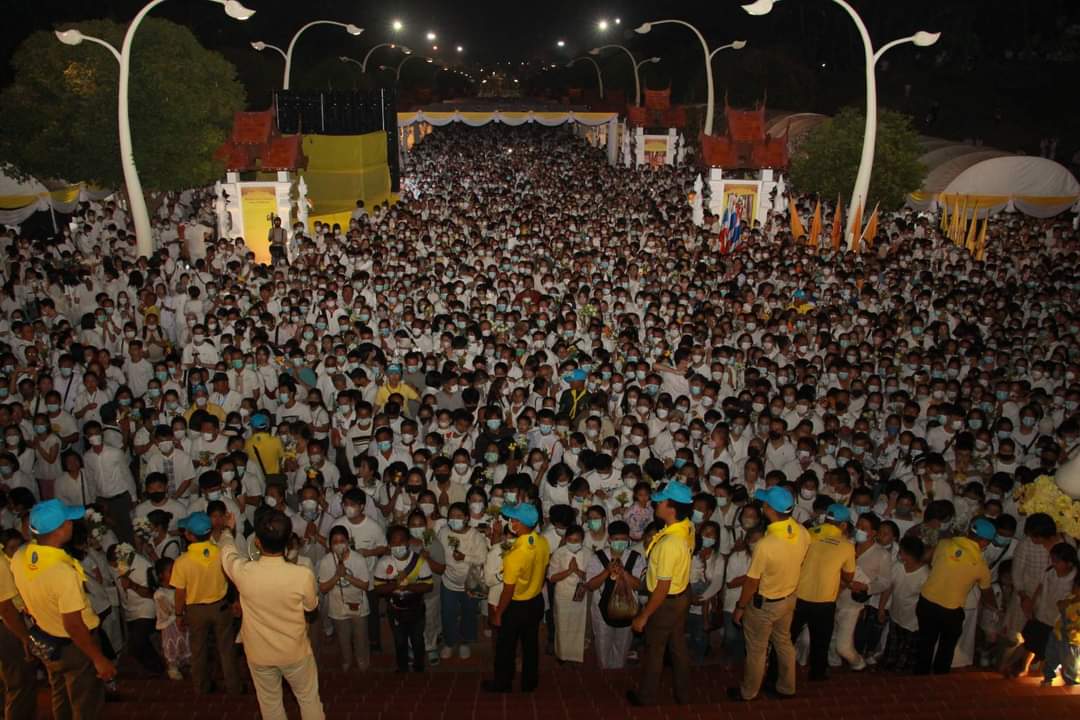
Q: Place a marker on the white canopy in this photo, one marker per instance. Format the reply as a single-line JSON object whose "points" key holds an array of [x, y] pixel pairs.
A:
{"points": [[19, 199]]}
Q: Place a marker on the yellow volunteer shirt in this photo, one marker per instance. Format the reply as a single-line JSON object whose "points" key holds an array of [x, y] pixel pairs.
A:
{"points": [[51, 585], [957, 565], [669, 556], [8, 591], [271, 451], [829, 555], [778, 558], [198, 572], [405, 390], [525, 566]]}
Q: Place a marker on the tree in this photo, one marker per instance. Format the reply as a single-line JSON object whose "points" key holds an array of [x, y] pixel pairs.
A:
{"points": [[827, 161], [59, 118]]}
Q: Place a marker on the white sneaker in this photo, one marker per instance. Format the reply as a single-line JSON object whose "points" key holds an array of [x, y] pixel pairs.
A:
{"points": [[464, 652], [861, 665], [446, 653]]}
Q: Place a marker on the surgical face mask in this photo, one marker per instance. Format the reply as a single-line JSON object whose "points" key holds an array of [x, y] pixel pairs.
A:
{"points": [[619, 546], [476, 508], [456, 524], [698, 517], [339, 548], [417, 532], [461, 468], [400, 552], [352, 512], [573, 547], [596, 524], [427, 508], [861, 536], [707, 542], [510, 498]]}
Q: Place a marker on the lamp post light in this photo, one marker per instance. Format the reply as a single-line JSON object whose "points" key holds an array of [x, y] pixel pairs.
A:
{"points": [[363, 63], [866, 160], [140, 216], [710, 92], [288, 54], [735, 45], [599, 77], [407, 58]]}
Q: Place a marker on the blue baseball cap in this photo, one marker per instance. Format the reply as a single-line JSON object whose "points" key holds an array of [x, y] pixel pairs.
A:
{"points": [[525, 513], [51, 514], [983, 529], [674, 491], [393, 369], [837, 513], [776, 497], [197, 523], [578, 375], [260, 421]]}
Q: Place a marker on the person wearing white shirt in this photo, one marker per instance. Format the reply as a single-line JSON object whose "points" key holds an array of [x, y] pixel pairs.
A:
{"points": [[137, 602], [873, 568], [368, 539], [167, 458], [344, 580], [906, 579], [110, 474], [74, 486], [465, 548]]}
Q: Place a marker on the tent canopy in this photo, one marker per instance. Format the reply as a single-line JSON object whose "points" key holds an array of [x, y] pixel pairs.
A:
{"points": [[19, 199]]}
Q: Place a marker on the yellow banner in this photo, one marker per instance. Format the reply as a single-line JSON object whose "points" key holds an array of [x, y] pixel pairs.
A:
{"points": [[259, 208]]}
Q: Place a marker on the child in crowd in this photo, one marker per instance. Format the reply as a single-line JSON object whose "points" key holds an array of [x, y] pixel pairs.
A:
{"points": [[174, 641]]}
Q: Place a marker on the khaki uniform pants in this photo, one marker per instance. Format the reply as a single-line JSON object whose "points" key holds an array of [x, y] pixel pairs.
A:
{"points": [[303, 678], [17, 674], [769, 623], [201, 619], [77, 693]]}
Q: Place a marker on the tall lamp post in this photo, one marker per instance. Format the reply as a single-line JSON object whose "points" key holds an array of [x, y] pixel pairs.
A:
{"points": [[734, 45], [633, 62], [599, 77], [709, 90], [866, 160], [397, 72], [140, 216], [363, 63], [288, 54]]}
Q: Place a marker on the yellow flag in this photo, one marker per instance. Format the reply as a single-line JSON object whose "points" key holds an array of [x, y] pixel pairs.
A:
{"points": [[815, 225], [955, 218], [856, 226], [980, 254], [870, 233], [944, 216], [969, 242], [837, 225], [797, 230]]}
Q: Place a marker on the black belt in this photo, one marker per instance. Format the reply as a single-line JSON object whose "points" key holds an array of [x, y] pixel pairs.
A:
{"points": [[773, 600], [672, 596]]}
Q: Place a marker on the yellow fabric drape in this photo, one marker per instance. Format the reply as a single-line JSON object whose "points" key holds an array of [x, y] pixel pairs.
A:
{"points": [[815, 225]]}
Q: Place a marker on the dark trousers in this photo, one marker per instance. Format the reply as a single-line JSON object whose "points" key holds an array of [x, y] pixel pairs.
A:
{"points": [[819, 617], [408, 630], [520, 624], [17, 675], [937, 626], [201, 619], [374, 621], [139, 634], [278, 255], [76, 691], [666, 633], [118, 509]]}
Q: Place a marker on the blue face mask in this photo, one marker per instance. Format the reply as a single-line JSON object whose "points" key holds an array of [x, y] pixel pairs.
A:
{"points": [[679, 463], [708, 542], [494, 424], [545, 429], [385, 445], [619, 546], [491, 458], [699, 517], [861, 536]]}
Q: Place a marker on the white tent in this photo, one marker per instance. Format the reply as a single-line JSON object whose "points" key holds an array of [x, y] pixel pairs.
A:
{"points": [[19, 199], [988, 180]]}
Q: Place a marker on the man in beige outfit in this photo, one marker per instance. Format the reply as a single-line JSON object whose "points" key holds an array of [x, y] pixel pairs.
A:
{"points": [[274, 595]]}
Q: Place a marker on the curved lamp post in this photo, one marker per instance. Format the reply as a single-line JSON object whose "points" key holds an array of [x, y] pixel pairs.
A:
{"points": [[363, 63], [140, 216], [633, 62], [287, 54], [599, 77], [397, 72], [866, 161], [734, 45], [709, 90]]}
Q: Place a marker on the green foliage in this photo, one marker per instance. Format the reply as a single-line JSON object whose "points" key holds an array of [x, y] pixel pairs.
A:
{"points": [[828, 160], [60, 120]]}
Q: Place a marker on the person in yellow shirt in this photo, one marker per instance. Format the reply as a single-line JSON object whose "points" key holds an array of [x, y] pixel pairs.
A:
{"points": [[520, 609], [667, 577], [201, 401], [957, 565], [201, 587], [16, 668], [51, 585], [268, 452], [766, 604], [829, 563], [394, 385]]}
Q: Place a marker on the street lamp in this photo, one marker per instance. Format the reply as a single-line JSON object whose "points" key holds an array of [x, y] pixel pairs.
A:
{"points": [[633, 62], [288, 54], [709, 90], [397, 25], [407, 58], [140, 216], [561, 43], [363, 63], [736, 45], [866, 160], [602, 26], [430, 35], [599, 77]]}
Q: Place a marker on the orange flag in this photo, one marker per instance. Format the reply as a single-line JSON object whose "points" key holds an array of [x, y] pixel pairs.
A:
{"points": [[856, 226], [815, 225], [837, 225], [944, 216], [969, 242], [980, 254], [797, 230], [870, 233]]}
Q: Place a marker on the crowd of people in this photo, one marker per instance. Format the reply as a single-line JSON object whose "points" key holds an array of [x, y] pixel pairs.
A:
{"points": [[531, 394]]}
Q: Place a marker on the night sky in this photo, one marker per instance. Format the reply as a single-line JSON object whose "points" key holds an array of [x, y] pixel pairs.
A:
{"points": [[995, 73]]}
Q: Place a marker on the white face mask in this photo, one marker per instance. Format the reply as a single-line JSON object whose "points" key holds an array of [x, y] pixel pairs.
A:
{"points": [[352, 512]]}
